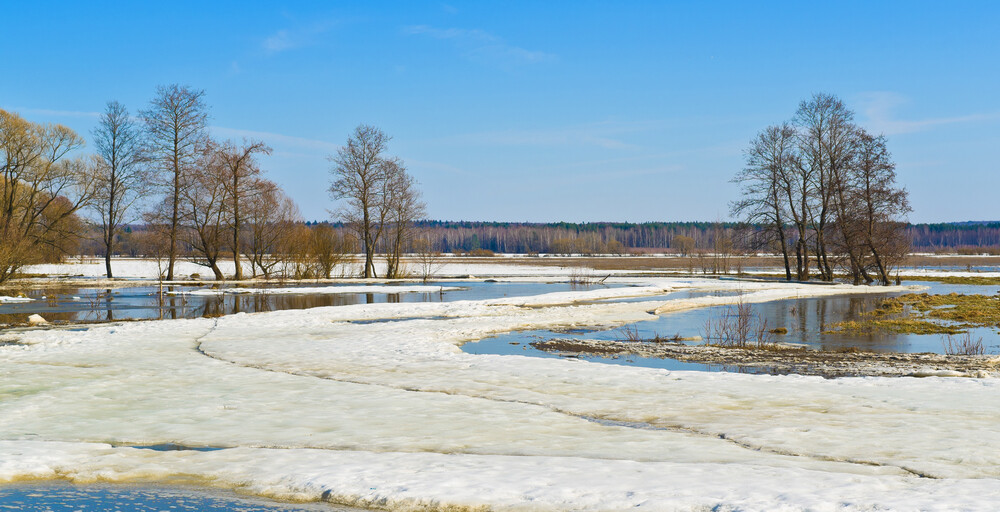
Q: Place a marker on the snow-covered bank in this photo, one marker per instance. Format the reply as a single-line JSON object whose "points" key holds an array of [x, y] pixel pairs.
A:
{"points": [[316, 290], [136, 268], [312, 404]]}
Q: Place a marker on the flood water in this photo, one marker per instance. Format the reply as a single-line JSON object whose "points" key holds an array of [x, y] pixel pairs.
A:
{"points": [[60, 496], [806, 320], [73, 305]]}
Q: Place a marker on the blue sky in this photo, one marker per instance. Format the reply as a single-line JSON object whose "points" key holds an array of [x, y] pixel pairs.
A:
{"points": [[538, 111]]}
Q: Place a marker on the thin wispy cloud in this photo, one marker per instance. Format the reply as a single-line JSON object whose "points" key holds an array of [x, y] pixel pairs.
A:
{"points": [[481, 46], [292, 38], [55, 113], [276, 139], [606, 135], [879, 110]]}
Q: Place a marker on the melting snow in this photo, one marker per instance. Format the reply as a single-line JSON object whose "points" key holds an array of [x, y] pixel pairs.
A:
{"points": [[308, 404]]}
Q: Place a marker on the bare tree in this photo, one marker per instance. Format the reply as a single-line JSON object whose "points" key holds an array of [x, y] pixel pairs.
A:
{"points": [[883, 205], [684, 244], [122, 177], [326, 248], [835, 184], [825, 144], [360, 171], [202, 209], [241, 183], [770, 160], [270, 219], [402, 202], [40, 189], [175, 124], [428, 260]]}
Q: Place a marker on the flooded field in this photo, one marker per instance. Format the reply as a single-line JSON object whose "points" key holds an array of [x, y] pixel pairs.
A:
{"points": [[808, 322], [55, 496], [72, 305]]}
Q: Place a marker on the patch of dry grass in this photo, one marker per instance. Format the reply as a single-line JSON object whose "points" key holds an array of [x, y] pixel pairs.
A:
{"points": [[972, 280], [891, 325], [922, 313]]}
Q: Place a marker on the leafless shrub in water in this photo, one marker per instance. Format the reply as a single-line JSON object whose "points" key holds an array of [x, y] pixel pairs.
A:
{"points": [[739, 327], [582, 276], [963, 345], [629, 334]]}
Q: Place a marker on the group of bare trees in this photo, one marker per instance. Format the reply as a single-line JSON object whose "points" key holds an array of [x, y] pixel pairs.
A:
{"points": [[823, 188], [216, 202], [379, 198], [205, 199], [42, 187]]}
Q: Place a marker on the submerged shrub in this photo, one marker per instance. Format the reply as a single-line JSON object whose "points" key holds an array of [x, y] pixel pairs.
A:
{"points": [[963, 345]]}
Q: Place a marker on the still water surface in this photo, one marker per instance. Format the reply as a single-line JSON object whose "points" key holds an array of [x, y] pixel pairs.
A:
{"points": [[806, 320], [71, 305], [58, 496]]}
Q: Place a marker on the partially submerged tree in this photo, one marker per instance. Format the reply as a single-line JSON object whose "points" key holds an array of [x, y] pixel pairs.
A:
{"points": [[825, 146], [41, 189], [881, 203], [770, 160], [175, 124], [122, 177], [834, 184]]}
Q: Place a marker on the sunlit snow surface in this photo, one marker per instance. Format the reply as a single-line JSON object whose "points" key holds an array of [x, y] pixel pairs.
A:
{"points": [[314, 405]]}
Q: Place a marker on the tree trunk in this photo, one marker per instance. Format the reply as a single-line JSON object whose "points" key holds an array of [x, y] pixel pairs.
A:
{"points": [[236, 225], [175, 215], [219, 276]]}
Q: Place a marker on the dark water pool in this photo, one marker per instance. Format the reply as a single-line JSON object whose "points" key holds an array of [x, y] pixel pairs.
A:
{"points": [[60, 497], [69, 305]]}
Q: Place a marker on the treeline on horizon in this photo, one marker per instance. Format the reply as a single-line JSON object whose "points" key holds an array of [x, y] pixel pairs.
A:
{"points": [[614, 237]]}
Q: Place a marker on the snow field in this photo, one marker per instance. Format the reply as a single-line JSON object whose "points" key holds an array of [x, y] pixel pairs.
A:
{"points": [[308, 404]]}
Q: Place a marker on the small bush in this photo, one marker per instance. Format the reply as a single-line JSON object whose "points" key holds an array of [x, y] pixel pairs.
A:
{"points": [[629, 334], [739, 327], [963, 345], [482, 253]]}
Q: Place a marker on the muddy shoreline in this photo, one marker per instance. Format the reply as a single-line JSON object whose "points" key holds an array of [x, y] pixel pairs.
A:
{"points": [[782, 359]]}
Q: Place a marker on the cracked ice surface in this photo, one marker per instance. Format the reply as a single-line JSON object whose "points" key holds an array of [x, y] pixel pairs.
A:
{"points": [[309, 404]]}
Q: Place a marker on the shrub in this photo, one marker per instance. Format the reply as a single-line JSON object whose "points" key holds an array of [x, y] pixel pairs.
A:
{"points": [[963, 345]]}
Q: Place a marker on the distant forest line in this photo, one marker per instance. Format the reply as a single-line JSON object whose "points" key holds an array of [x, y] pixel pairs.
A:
{"points": [[617, 237]]}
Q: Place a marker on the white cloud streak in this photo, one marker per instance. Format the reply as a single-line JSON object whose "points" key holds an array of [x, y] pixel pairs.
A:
{"points": [[479, 45], [289, 39], [879, 110]]}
